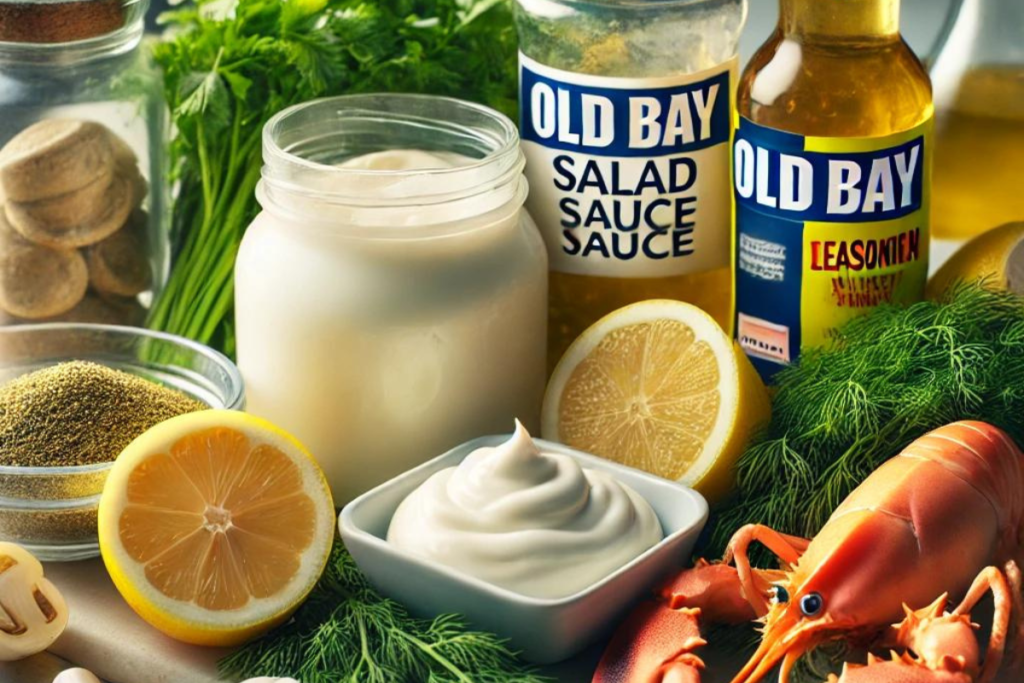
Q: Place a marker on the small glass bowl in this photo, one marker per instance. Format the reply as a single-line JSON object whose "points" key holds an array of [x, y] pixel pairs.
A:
{"points": [[51, 511]]}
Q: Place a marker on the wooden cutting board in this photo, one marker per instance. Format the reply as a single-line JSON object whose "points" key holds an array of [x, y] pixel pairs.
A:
{"points": [[105, 636], [39, 669]]}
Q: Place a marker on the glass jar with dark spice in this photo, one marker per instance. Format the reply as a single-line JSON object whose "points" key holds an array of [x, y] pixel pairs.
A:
{"points": [[53, 468], [83, 132]]}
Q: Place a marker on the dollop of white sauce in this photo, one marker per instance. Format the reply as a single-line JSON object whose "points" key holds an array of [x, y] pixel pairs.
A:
{"points": [[405, 160], [535, 523]]}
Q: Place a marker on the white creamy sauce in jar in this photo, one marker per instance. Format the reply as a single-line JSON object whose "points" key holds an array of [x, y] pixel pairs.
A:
{"points": [[533, 522], [391, 305], [406, 160]]}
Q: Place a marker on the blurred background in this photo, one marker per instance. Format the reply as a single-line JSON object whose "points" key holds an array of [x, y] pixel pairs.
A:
{"points": [[922, 21]]}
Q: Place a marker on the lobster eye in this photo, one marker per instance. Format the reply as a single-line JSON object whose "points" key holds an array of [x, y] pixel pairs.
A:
{"points": [[781, 594], [811, 604]]}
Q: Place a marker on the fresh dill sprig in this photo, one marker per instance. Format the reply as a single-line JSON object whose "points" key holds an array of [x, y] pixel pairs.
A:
{"points": [[890, 377], [347, 632]]}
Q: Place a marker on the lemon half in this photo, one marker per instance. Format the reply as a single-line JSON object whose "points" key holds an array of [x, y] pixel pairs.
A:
{"points": [[997, 255], [660, 387], [215, 526]]}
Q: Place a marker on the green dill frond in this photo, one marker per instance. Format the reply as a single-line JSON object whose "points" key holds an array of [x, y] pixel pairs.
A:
{"points": [[347, 632], [889, 377]]}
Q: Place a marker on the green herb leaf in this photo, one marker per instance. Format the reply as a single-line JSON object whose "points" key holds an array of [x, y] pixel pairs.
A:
{"points": [[891, 376], [230, 66], [204, 95], [347, 632]]}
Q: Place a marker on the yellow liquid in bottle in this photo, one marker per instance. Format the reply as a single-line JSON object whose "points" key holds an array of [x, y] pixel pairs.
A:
{"points": [[833, 69], [619, 40], [979, 152], [578, 301], [836, 68]]}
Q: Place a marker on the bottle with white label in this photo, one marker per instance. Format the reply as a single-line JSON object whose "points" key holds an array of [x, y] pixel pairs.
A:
{"points": [[625, 113], [832, 169]]}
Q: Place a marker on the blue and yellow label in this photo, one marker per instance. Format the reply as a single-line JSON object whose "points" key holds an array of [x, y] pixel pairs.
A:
{"points": [[629, 177], [826, 229]]}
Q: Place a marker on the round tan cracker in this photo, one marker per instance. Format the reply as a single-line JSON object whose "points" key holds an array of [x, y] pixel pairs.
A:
{"points": [[54, 157], [119, 264], [113, 209], [36, 281]]}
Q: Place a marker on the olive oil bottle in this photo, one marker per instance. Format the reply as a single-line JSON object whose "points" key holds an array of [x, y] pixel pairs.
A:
{"points": [[978, 74], [832, 172]]}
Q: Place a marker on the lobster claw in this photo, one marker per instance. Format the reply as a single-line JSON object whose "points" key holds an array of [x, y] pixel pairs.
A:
{"points": [[657, 641], [654, 644], [898, 669], [715, 589], [931, 634]]}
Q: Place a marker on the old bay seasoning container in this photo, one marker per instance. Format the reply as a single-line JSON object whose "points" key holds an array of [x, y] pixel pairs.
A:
{"points": [[833, 157], [83, 128], [625, 116]]}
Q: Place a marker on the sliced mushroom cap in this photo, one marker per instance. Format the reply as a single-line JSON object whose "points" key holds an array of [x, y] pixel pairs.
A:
{"points": [[33, 613]]}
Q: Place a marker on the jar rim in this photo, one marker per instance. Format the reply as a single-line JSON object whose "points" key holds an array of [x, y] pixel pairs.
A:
{"points": [[493, 134], [124, 38]]}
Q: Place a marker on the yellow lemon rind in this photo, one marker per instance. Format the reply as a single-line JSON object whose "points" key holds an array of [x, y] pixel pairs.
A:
{"points": [[190, 623], [744, 405]]}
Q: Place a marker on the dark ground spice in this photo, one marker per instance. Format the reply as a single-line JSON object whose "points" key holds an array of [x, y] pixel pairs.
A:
{"points": [[80, 414], [59, 22]]}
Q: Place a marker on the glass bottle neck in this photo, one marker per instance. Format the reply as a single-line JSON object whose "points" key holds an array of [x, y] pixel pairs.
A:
{"points": [[840, 19]]}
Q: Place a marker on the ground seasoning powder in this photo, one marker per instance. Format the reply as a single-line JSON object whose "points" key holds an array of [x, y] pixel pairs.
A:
{"points": [[80, 413], [28, 21]]}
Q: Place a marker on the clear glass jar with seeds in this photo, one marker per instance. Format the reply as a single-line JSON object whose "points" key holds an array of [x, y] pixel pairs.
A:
{"points": [[71, 397], [83, 188]]}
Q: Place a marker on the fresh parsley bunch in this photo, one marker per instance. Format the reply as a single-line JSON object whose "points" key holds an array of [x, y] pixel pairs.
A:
{"points": [[230, 66]]}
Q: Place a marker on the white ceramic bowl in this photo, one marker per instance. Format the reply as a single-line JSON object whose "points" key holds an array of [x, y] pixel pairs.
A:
{"points": [[544, 631]]}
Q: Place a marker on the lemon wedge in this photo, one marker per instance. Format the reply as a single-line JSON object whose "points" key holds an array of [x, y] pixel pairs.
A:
{"points": [[660, 387], [215, 526], [997, 255]]}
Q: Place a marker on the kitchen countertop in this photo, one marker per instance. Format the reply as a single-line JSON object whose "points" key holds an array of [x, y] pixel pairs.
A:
{"points": [[922, 21]]}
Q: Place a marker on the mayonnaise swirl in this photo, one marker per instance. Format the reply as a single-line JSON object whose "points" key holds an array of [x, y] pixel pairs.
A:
{"points": [[535, 523]]}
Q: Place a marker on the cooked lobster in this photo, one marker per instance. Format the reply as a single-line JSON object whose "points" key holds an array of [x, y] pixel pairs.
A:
{"points": [[944, 517]]}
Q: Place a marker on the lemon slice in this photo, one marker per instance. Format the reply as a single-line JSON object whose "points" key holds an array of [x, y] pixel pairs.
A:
{"points": [[997, 255], [214, 526], [660, 387]]}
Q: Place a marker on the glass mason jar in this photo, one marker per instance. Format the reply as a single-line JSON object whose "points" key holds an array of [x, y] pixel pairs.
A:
{"points": [[625, 111], [978, 76], [83, 128], [385, 316]]}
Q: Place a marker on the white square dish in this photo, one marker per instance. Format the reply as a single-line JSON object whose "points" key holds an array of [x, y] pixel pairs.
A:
{"points": [[544, 631]]}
